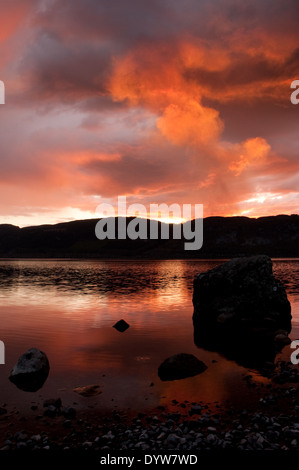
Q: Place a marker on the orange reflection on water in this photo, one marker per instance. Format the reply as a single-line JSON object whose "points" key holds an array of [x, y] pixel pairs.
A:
{"points": [[73, 323]]}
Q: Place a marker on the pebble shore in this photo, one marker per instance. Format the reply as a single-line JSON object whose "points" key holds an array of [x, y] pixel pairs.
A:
{"points": [[272, 424]]}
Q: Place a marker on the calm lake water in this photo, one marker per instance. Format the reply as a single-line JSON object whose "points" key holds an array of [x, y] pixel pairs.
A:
{"points": [[67, 309]]}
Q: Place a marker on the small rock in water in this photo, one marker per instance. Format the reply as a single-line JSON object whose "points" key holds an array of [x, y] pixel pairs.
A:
{"points": [[56, 402], [195, 410], [31, 371], [180, 366], [121, 326], [88, 390], [50, 411], [68, 412]]}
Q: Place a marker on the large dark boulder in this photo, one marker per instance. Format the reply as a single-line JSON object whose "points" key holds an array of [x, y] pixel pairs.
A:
{"points": [[31, 370], [180, 366], [240, 308]]}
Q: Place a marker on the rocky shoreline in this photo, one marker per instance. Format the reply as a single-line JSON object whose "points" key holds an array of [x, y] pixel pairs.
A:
{"points": [[272, 423]]}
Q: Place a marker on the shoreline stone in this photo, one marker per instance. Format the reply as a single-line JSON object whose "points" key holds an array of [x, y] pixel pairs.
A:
{"points": [[180, 366], [31, 370]]}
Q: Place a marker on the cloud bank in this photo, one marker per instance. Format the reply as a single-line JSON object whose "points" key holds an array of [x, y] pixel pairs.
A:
{"points": [[161, 101]]}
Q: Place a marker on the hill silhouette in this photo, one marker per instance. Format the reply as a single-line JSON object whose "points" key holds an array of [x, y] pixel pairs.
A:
{"points": [[223, 237]]}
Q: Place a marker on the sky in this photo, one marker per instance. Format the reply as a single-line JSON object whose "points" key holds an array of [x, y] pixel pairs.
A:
{"points": [[161, 101]]}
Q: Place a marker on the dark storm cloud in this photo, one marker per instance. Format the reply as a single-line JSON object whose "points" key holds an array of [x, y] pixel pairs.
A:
{"points": [[124, 21], [76, 42], [246, 69], [69, 72]]}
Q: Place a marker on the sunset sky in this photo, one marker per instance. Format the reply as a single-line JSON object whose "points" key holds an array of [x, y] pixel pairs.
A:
{"points": [[160, 100]]}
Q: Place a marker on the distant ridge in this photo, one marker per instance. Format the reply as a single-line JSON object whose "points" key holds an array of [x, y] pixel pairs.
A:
{"points": [[224, 237]]}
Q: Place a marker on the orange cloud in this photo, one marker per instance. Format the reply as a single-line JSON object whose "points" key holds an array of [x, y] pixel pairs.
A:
{"points": [[146, 78], [252, 152], [158, 82], [189, 123]]}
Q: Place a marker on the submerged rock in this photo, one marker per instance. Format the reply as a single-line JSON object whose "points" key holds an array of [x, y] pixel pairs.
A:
{"points": [[282, 339], [121, 326], [56, 402], [180, 366], [239, 307], [88, 390], [69, 412], [31, 370]]}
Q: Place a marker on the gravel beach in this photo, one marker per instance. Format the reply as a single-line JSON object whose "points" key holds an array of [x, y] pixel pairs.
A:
{"points": [[272, 423]]}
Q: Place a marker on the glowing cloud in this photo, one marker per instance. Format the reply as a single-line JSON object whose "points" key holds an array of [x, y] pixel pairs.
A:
{"points": [[175, 102]]}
